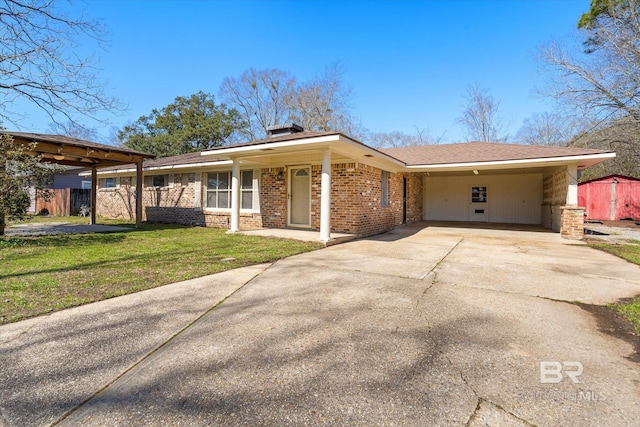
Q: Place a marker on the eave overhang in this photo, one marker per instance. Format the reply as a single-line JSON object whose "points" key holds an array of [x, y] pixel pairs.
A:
{"points": [[582, 161]]}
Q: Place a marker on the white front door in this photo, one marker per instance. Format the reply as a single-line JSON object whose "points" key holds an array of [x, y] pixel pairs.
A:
{"points": [[300, 196], [478, 206]]}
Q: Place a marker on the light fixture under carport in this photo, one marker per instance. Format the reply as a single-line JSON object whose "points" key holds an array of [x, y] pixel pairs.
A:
{"points": [[475, 172]]}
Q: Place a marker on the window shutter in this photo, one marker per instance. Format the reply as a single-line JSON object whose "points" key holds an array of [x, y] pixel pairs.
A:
{"points": [[197, 190], [256, 190]]}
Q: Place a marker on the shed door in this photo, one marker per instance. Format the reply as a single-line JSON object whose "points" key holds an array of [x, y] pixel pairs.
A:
{"points": [[478, 206], [300, 197]]}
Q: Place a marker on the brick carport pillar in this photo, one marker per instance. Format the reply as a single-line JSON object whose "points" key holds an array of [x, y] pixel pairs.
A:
{"points": [[572, 216]]}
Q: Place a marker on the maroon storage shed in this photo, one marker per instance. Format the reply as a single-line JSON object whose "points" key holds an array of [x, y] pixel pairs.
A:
{"points": [[610, 198]]}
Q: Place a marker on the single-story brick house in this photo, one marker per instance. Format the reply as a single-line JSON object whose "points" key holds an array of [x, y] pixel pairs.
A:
{"points": [[329, 182]]}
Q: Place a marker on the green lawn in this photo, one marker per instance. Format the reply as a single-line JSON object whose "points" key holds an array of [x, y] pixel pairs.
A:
{"points": [[631, 252], [48, 273]]}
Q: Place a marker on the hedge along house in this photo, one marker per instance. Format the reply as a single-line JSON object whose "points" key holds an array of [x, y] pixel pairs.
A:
{"points": [[328, 182]]}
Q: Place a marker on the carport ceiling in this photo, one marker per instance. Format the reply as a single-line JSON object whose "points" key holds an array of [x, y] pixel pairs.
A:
{"points": [[67, 151]]}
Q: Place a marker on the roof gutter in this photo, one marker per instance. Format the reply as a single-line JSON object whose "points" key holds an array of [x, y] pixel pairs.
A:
{"points": [[471, 165], [168, 167]]}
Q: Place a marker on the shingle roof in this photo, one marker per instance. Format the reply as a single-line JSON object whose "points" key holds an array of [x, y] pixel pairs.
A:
{"points": [[180, 159], [469, 152], [473, 152]]}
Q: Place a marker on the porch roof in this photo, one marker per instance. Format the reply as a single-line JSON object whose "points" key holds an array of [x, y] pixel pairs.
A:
{"points": [[67, 151], [305, 147]]}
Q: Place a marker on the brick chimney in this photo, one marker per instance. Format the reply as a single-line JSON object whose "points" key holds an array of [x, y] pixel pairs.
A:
{"points": [[281, 130]]}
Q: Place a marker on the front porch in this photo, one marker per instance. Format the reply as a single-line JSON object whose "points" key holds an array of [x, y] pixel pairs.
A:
{"points": [[297, 234]]}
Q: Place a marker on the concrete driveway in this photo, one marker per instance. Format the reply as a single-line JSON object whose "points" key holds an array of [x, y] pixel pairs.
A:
{"points": [[421, 326]]}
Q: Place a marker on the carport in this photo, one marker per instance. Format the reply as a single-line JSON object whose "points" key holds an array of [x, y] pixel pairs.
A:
{"points": [[63, 150], [502, 183]]}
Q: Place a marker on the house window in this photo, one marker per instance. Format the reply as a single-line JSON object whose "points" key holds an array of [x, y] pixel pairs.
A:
{"points": [[219, 190], [384, 179], [108, 183], [86, 185], [157, 180], [478, 194]]}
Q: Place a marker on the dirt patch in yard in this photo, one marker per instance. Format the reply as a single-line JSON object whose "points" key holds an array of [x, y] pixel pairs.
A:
{"points": [[612, 323]]}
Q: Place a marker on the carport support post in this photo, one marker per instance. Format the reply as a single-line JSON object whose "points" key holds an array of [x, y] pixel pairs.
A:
{"points": [[572, 185], [235, 197], [94, 186], [139, 179], [325, 198]]}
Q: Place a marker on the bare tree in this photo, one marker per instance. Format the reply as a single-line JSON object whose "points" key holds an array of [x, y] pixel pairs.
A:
{"points": [[400, 139], [480, 118], [323, 103], [263, 98], [74, 130], [266, 98], [39, 62], [621, 136], [547, 129], [603, 78]]}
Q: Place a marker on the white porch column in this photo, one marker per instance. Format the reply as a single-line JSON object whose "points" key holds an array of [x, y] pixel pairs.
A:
{"points": [[325, 198], [235, 197], [572, 185]]}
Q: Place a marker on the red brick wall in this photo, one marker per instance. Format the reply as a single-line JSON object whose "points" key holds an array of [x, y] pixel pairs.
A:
{"points": [[273, 197], [414, 197], [356, 207], [356, 193], [174, 204], [118, 203]]}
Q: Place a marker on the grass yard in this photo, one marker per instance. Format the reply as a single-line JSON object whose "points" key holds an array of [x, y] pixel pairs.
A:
{"points": [[631, 252], [48, 273]]}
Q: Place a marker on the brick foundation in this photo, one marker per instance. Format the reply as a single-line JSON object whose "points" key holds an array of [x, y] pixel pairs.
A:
{"points": [[572, 222]]}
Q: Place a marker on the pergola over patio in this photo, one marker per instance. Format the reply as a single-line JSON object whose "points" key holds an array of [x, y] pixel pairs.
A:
{"points": [[63, 150]]}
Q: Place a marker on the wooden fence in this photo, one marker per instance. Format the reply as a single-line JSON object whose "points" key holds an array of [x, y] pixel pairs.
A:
{"points": [[63, 201]]}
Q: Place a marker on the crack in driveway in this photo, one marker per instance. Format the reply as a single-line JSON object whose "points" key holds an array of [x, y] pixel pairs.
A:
{"points": [[432, 275]]}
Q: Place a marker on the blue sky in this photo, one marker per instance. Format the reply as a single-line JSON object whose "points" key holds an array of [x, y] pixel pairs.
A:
{"points": [[409, 62]]}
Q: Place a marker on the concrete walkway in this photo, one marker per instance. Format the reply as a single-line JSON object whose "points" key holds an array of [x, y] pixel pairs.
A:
{"points": [[422, 326], [299, 234]]}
